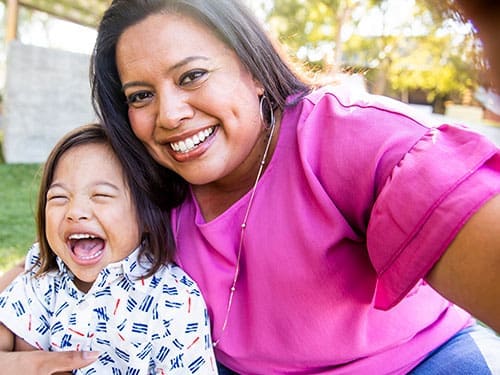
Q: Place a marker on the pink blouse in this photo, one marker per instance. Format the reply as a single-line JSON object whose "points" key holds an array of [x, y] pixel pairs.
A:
{"points": [[360, 199]]}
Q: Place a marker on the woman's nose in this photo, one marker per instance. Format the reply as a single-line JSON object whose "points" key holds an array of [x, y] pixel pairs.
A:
{"points": [[174, 108]]}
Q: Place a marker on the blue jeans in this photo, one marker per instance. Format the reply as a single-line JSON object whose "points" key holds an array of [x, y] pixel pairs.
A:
{"points": [[474, 350], [223, 370]]}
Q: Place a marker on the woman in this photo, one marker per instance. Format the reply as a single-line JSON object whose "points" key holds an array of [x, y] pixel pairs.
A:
{"points": [[315, 182], [317, 223]]}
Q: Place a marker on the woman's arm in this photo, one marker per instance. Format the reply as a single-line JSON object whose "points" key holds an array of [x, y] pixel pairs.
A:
{"points": [[37, 362], [42, 363], [21, 346], [11, 274], [28, 361], [468, 274]]}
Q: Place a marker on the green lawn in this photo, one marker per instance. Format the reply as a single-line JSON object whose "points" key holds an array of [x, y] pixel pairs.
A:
{"points": [[18, 191]]}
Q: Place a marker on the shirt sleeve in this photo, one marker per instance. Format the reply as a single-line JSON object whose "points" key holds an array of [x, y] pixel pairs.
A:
{"points": [[22, 312], [436, 187], [405, 184], [187, 345]]}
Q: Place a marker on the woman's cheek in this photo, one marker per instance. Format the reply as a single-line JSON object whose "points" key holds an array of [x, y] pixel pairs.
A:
{"points": [[139, 124]]}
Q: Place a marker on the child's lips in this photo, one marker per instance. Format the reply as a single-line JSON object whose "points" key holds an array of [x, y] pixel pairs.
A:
{"points": [[85, 247]]}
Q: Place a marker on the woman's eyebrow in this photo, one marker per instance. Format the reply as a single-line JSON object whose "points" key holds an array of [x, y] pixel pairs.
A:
{"points": [[178, 65], [186, 61]]}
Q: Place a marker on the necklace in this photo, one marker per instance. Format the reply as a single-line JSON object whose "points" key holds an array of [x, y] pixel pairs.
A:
{"points": [[232, 290]]}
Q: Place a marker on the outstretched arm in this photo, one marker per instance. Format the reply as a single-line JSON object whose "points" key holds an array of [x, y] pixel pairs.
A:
{"points": [[37, 362], [10, 275], [468, 274], [42, 363]]}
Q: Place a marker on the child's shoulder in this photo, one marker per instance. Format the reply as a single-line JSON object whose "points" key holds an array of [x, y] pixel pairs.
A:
{"points": [[170, 278], [32, 260]]}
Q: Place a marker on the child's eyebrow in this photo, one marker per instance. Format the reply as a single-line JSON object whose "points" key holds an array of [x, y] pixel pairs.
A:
{"points": [[97, 183], [56, 185], [106, 183]]}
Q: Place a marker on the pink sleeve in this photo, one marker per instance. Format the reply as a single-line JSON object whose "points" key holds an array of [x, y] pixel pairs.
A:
{"points": [[425, 201]]}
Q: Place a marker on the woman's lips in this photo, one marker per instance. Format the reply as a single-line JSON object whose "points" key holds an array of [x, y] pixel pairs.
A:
{"points": [[190, 143]]}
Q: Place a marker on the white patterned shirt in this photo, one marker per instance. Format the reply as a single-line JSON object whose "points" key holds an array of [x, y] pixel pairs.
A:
{"points": [[140, 326]]}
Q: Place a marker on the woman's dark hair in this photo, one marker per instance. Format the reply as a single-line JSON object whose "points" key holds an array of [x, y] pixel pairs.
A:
{"points": [[157, 239], [232, 23]]}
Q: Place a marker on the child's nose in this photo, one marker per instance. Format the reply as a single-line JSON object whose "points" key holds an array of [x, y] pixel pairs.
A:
{"points": [[78, 210]]}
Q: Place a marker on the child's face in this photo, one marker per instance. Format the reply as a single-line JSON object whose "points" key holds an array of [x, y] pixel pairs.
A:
{"points": [[90, 217]]}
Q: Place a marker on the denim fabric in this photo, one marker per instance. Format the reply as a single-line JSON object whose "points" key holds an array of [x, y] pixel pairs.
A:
{"points": [[223, 370], [474, 350]]}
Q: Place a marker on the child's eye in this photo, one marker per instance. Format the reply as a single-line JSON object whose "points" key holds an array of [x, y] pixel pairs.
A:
{"points": [[140, 98], [56, 198], [193, 77], [102, 196]]}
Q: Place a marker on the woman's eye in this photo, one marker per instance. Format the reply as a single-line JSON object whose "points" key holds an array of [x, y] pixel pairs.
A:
{"points": [[138, 99], [193, 77]]}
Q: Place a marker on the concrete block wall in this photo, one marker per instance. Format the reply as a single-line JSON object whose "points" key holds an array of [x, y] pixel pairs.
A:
{"points": [[47, 93]]}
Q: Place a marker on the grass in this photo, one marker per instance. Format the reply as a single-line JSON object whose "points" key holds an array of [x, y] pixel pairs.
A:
{"points": [[18, 190]]}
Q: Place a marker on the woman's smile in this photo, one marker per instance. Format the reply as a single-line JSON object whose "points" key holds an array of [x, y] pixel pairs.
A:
{"points": [[190, 143], [191, 101]]}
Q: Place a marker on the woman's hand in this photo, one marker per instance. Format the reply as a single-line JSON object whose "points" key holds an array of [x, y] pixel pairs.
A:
{"points": [[42, 363]]}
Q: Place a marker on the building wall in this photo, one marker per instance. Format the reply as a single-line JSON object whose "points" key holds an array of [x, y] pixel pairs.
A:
{"points": [[47, 93]]}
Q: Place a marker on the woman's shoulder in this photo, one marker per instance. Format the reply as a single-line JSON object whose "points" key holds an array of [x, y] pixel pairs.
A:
{"points": [[345, 96], [347, 110]]}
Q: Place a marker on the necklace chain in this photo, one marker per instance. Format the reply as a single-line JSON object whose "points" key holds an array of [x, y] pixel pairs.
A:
{"points": [[232, 290]]}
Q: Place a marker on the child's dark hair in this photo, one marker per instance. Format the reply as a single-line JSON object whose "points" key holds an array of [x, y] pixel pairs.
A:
{"points": [[157, 239]]}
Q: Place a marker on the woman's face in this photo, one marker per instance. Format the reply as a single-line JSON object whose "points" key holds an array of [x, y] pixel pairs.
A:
{"points": [[191, 101]]}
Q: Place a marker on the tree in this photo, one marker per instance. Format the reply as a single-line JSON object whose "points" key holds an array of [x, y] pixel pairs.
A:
{"points": [[314, 29], [426, 53]]}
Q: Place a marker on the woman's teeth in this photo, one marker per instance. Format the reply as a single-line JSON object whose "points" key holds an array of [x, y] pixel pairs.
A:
{"points": [[190, 143]]}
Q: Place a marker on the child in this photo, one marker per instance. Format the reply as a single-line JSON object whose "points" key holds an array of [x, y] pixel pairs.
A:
{"points": [[100, 278]]}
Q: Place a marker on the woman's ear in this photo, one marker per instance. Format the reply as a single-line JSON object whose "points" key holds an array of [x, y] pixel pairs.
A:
{"points": [[259, 88]]}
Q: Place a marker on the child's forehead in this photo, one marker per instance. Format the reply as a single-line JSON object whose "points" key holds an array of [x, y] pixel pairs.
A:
{"points": [[90, 158], [90, 149]]}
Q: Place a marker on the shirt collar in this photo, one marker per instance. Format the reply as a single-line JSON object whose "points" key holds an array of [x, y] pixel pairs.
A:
{"points": [[130, 267]]}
